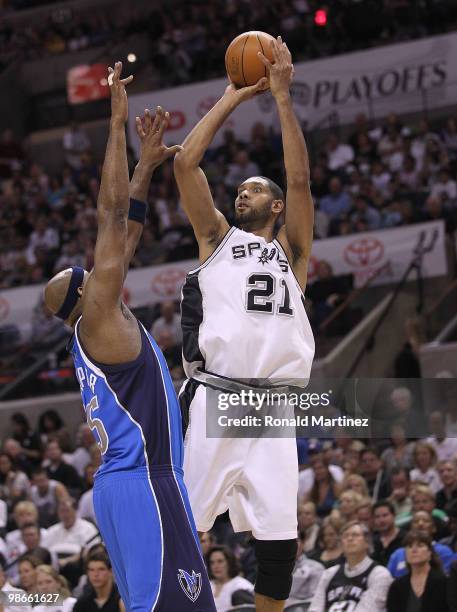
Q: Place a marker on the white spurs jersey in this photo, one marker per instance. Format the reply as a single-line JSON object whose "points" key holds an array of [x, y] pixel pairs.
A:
{"points": [[243, 314]]}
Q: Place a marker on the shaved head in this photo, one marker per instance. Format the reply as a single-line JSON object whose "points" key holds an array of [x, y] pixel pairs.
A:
{"points": [[56, 291]]}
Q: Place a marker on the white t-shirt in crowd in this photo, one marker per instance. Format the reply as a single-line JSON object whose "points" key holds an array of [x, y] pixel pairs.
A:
{"points": [[446, 449], [86, 506], [430, 478], [224, 600], [64, 541]]}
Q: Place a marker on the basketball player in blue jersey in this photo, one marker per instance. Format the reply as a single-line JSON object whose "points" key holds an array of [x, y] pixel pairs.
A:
{"points": [[140, 500], [243, 317]]}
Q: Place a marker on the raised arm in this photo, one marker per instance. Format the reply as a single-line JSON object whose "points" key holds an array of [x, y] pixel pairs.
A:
{"points": [[208, 223], [297, 234], [153, 152], [104, 286]]}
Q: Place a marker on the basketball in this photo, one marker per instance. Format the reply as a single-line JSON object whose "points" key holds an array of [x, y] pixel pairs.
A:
{"points": [[241, 60]]}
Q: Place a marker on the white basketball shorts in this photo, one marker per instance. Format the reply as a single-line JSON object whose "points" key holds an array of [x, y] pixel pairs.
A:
{"points": [[256, 480]]}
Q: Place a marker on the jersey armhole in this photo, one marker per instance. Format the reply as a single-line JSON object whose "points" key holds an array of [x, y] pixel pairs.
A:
{"points": [[216, 251]]}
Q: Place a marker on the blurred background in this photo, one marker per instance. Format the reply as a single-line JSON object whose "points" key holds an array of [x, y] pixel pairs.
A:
{"points": [[375, 90]]}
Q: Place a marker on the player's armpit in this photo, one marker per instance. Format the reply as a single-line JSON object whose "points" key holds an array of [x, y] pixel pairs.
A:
{"points": [[297, 257]]}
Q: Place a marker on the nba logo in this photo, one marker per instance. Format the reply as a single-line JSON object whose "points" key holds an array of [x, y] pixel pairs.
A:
{"points": [[190, 584]]}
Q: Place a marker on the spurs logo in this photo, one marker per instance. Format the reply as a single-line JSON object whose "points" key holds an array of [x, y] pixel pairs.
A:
{"points": [[265, 257]]}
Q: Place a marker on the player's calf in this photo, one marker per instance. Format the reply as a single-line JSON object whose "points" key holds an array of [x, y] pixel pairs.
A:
{"points": [[275, 560]]}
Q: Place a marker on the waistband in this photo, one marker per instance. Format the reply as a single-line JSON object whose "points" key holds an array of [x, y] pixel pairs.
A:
{"points": [[142, 473]]}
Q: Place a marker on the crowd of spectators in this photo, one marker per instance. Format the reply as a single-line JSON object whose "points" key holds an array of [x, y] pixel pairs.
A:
{"points": [[391, 501], [379, 177], [188, 40]]}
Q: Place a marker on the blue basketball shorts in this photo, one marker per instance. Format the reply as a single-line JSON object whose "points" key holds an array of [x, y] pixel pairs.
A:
{"points": [[147, 526]]}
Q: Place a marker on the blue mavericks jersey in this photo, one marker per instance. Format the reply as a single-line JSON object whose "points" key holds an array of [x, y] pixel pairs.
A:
{"points": [[131, 408]]}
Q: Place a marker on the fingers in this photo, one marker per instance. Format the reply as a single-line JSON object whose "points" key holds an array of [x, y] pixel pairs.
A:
{"points": [[139, 127], [157, 119], [261, 84], [147, 120], [115, 74], [265, 61], [163, 125], [169, 151]]}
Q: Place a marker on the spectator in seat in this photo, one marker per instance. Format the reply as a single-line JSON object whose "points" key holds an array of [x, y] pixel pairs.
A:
{"points": [[448, 475], [241, 169], [327, 292], [76, 142], [46, 493], [25, 512], [337, 202], [29, 441], [305, 576], [70, 535], [325, 490], [207, 541], [46, 328], [364, 513], [370, 582], [424, 466], [86, 503], [169, 321], [364, 211], [14, 484], [104, 594], [50, 582], [18, 458], [31, 537], [423, 587], [225, 580], [50, 425], [6, 587], [58, 469], [355, 482], [348, 502], [328, 550], [306, 476], [422, 521], [80, 458], [387, 537], [308, 525], [423, 498], [445, 187], [451, 540], [27, 573], [373, 471], [43, 237], [339, 154], [11, 154], [434, 210], [400, 452], [172, 353], [446, 448]]}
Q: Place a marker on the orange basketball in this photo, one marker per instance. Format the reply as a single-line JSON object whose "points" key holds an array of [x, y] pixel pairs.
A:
{"points": [[241, 60]]}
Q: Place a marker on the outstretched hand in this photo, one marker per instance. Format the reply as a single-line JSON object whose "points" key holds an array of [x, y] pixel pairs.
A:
{"points": [[150, 133], [280, 72], [242, 94], [119, 102]]}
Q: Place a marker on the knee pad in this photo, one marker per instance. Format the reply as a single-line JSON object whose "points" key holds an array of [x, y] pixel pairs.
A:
{"points": [[275, 560]]}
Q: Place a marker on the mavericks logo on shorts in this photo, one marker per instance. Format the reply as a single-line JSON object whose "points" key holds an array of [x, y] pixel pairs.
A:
{"points": [[190, 584]]}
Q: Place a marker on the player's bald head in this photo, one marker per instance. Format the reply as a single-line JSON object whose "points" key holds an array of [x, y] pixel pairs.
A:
{"points": [[63, 292]]}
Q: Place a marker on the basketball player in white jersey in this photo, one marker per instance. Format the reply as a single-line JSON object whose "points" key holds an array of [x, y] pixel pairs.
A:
{"points": [[243, 317]]}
